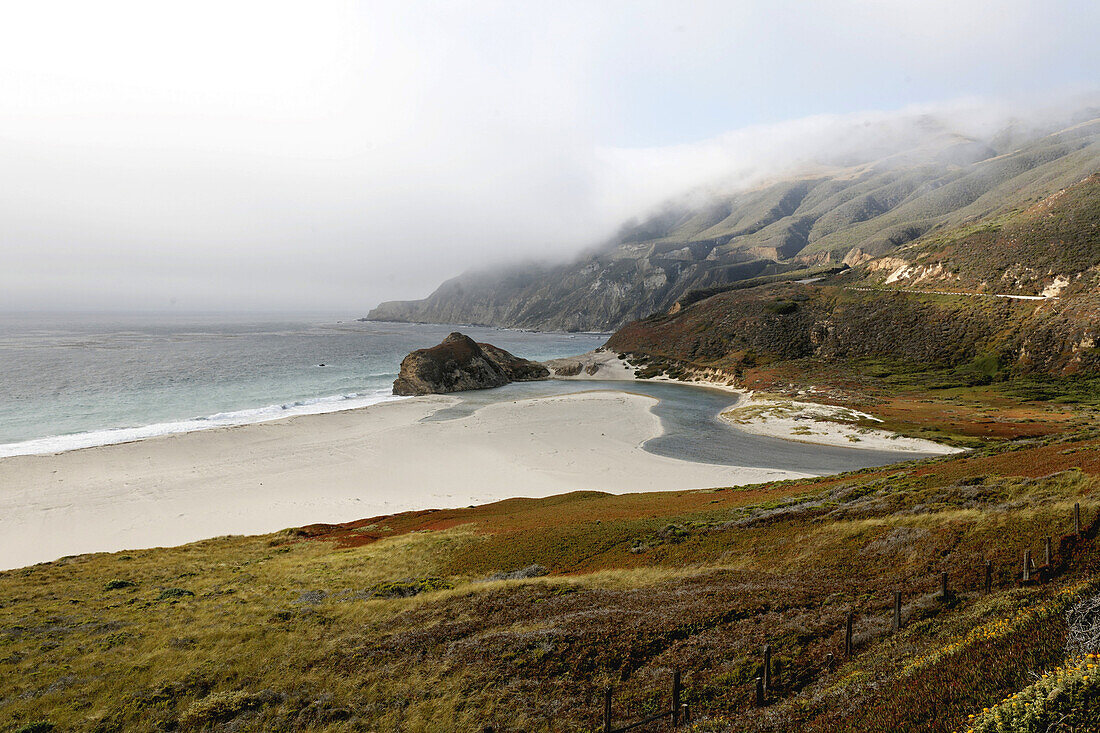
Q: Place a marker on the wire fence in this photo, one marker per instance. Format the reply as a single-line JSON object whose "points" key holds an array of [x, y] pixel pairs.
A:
{"points": [[767, 683]]}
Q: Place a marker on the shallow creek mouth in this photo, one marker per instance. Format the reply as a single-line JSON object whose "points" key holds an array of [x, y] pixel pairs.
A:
{"points": [[693, 432]]}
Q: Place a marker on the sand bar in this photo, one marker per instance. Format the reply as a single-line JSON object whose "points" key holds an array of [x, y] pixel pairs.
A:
{"points": [[813, 422], [335, 467], [803, 422]]}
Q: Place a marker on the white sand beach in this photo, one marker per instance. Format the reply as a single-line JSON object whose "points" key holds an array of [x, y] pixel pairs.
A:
{"points": [[335, 467], [812, 422], [804, 422]]}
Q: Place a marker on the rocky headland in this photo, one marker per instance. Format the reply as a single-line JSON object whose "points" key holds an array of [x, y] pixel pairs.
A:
{"points": [[458, 364]]}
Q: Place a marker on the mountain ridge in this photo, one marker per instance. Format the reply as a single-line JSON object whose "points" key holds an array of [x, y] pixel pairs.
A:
{"points": [[938, 303], [787, 227]]}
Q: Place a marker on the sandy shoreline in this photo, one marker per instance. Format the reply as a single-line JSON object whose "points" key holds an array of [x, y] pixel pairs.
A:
{"points": [[803, 422], [333, 467], [812, 422], [380, 459]]}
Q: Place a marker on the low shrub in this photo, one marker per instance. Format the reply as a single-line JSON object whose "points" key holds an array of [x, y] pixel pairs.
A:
{"points": [[406, 588], [1083, 620], [169, 593], [219, 706], [118, 583], [39, 726], [1066, 699], [781, 307], [531, 571]]}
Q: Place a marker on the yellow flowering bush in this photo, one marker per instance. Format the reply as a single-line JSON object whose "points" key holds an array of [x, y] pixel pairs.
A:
{"points": [[1000, 627], [1066, 698]]}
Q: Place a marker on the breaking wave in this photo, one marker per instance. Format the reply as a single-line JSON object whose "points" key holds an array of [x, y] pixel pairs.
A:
{"points": [[313, 406]]}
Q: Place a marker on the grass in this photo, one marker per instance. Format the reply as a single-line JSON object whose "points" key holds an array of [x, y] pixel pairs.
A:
{"points": [[395, 623], [935, 403]]}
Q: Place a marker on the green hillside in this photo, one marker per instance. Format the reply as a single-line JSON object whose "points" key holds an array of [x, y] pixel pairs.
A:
{"points": [[932, 304], [840, 214], [517, 615]]}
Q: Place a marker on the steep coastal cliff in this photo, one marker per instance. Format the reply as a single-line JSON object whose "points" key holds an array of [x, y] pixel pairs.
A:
{"points": [[838, 215]]}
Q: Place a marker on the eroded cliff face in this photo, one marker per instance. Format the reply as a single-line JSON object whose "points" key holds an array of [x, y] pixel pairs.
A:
{"points": [[1044, 250], [788, 229], [458, 364]]}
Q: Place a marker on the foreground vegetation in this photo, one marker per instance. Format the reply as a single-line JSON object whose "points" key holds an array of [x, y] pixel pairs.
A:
{"points": [[516, 615]]}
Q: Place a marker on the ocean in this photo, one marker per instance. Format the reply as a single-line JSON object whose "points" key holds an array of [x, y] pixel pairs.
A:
{"points": [[79, 380]]}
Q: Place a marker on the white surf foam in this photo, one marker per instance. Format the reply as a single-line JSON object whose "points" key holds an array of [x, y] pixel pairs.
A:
{"points": [[313, 406]]}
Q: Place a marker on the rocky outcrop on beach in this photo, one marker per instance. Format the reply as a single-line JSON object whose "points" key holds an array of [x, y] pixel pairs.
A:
{"points": [[458, 364]]}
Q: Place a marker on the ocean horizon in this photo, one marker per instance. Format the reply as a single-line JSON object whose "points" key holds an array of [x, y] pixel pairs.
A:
{"points": [[79, 380]]}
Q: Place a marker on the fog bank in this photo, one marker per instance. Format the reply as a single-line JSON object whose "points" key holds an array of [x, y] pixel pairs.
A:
{"points": [[289, 156]]}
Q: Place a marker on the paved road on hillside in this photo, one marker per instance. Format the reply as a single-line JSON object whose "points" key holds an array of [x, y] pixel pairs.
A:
{"points": [[944, 292]]}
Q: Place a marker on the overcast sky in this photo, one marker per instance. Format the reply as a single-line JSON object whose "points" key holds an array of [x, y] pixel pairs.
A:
{"points": [[323, 155]]}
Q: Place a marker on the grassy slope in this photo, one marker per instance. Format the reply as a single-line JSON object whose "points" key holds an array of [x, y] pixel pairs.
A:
{"points": [[780, 227], [303, 629], [858, 319], [388, 623], [1015, 252]]}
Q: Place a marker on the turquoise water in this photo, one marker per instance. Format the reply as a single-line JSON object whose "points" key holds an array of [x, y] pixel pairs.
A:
{"points": [[77, 380], [82, 380]]}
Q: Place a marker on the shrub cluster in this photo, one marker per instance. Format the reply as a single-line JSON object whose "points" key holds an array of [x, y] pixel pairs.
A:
{"points": [[1065, 699]]}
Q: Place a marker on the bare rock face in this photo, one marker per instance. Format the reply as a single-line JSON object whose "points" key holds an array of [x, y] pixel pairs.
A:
{"points": [[458, 364], [567, 369]]}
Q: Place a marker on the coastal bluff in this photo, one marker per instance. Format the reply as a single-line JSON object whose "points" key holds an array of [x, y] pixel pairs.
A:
{"points": [[458, 364]]}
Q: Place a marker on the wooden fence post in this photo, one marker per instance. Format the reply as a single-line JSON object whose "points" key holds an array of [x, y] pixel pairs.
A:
{"points": [[759, 692], [848, 635], [767, 667], [1048, 550], [687, 713], [1027, 565], [897, 610], [943, 586], [675, 697], [607, 710], [1077, 520], [988, 577]]}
